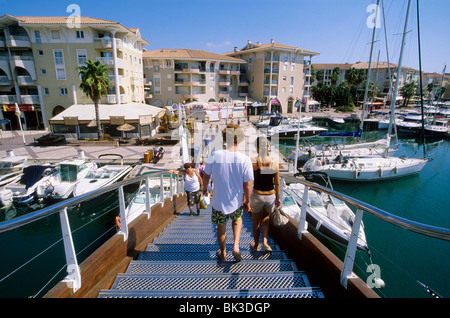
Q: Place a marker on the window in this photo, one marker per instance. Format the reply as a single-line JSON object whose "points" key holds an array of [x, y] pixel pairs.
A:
{"points": [[156, 66], [55, 35], [59, 57], [60, 74], [292, 80], [80, 34], [168, 63], [63, 91], [46, 91], [40, 53], [81, 57], [37, 35], [43, 71]]}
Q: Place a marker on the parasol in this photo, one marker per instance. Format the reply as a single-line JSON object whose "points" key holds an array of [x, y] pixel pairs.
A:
{"points": [[126, 127]]}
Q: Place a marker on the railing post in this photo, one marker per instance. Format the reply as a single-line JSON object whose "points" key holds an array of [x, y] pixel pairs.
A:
{"points": [[123, 217], [74, 276], [281, 189], [302, 222], [171, 186], [147, 198], [161, 190], [349, 260]]}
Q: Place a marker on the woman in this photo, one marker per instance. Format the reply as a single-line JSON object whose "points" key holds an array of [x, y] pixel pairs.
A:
{"points": [[266, 192], [192, 185]]}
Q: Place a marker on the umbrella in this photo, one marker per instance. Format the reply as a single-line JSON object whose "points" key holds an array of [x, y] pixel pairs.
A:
{"points": [[126, 127]]}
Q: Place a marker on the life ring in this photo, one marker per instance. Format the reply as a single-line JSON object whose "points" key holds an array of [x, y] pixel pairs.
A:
{"points": [[118, 223]]}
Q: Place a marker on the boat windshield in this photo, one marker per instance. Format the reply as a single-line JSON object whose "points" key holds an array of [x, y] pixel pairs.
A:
{"points": [[288, 201], [314, 199], [68, 172]]}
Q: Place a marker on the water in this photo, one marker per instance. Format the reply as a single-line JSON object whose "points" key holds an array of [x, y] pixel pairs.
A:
{"points": [[403, 256]]}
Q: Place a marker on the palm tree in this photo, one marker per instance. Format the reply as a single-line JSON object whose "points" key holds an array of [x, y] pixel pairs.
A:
{"points": [[94, 83], [407, 91], [335, 78]]}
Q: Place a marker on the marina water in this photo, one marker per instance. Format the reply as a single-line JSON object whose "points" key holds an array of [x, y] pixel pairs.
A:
{"points": [[402, 256]]}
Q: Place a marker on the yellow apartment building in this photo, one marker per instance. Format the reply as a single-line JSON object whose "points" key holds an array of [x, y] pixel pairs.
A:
{"points": [[277, 74], [184, 76], [39, 57]]}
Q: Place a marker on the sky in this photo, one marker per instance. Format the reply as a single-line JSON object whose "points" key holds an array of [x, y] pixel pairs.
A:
{"points": [[340, 30]]}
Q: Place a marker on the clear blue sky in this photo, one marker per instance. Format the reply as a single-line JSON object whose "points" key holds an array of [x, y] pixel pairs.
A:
{"points": [[337, 29]]}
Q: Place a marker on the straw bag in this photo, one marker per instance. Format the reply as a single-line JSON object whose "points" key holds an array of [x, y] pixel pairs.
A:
{"points": [[279, 218]]}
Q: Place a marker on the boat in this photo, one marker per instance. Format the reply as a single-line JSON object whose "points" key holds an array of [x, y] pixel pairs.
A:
{"points": [[137, 204], [325, 214], [11, 167], [437, 129], [366, 169], [101, 176], [61, 183], [23, 190], [410, 125], [272, 120], [378, 147], [289, 130]]}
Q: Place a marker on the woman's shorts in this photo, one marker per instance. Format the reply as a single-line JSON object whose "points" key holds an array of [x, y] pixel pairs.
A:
{"points": [[259, 202], [220, 218], [193, 197]]}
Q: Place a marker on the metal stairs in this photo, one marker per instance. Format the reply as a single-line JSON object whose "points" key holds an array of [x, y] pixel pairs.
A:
{"points": [[182, 262]]}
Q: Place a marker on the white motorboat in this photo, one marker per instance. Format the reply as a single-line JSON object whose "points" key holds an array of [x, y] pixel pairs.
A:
{"points": [[366, 169], [138, 203], [437, 129], [99, 177], [61, 183], [23, 190], [409, 125], [11, 167], [291, 129], [326, 214]]}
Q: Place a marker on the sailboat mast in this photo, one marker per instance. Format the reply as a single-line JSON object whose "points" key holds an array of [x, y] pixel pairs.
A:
{"points": [[394, 96], [370, 66], [420, 72]]}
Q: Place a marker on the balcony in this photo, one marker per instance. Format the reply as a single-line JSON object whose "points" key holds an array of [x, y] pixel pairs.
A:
{"points": [[224, 94], [274, 70], [111, 98], [109, 61], [30, 99], [25, 80], [224, 83], [244, 83], [135, 80], [273, 82], [18, 41], [236, 72], [113, 79], [4, 80], [224, 72], [8, 99], [2, 42]]}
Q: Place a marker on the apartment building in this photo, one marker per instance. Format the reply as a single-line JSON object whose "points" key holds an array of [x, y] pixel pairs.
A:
{"points": [[277, 74], [39, 57], [184, 76], [379, 74]]}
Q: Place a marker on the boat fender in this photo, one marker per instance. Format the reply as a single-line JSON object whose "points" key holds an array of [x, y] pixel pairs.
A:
{"points": [[319, 223], [379, 283], [380, 172], [118, 223]]}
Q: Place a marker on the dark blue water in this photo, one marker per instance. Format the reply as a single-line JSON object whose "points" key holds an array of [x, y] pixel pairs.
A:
{"points": [[403, 256]]}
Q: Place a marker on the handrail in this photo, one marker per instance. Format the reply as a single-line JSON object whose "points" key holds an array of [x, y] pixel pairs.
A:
{"points": [[424, 229], [6, 226]]}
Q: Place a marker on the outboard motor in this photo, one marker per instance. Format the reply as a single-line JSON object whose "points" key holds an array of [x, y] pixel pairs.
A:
{"points": [[158, 153], [48, 193]]}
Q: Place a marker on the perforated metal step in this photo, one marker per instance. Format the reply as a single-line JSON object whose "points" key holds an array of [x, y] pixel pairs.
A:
{"points": [[219, 281], [207, 256], [198, 247], [246, 240], [207, 267], [305, 292]]}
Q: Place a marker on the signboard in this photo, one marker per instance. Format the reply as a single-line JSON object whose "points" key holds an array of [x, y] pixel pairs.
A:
{"points": [[71, 121], [22, 108], [145, 119], [117, 120]]}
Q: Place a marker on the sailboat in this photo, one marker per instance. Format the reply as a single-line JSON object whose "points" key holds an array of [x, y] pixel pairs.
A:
{"points": [[371, 168]]}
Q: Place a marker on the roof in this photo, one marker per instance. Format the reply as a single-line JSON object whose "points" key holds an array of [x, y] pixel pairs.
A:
{"points": [[253, 47], [131, 112], [188, 54], [32, 20], [358, 65]]}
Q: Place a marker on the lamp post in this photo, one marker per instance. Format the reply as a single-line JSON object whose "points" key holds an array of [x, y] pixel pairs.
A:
{"points": [[18, 113]]}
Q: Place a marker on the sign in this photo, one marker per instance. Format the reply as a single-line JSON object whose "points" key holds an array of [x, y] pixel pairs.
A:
{"points": [[71, 121], [22, 108], [145, 119], [117, 120]]}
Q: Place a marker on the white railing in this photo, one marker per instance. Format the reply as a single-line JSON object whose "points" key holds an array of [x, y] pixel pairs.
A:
{"points": [[73, 278]]}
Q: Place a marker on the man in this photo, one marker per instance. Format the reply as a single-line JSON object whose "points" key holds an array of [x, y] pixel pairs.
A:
{"points": [[233, 179]]}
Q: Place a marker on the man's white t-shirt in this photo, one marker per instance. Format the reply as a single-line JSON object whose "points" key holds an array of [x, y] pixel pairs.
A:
{"points": [[229, 170]]}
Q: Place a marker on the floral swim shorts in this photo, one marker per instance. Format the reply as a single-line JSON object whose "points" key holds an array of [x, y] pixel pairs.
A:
{"points": [[219, 218]]}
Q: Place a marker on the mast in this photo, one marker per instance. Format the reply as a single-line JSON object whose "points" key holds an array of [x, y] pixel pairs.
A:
{"points": [[421, 93], [370, 65], [394, 96]]}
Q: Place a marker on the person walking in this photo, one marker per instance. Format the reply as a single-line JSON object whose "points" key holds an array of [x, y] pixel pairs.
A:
{"points": [[233, 180], [192, 186], [266, 192]]}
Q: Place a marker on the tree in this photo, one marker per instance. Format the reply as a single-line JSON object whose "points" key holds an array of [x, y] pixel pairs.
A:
{"points": [[334, 79], [321, 93], [407, 91], [94, 83], [341, 95], [354, 78]]}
